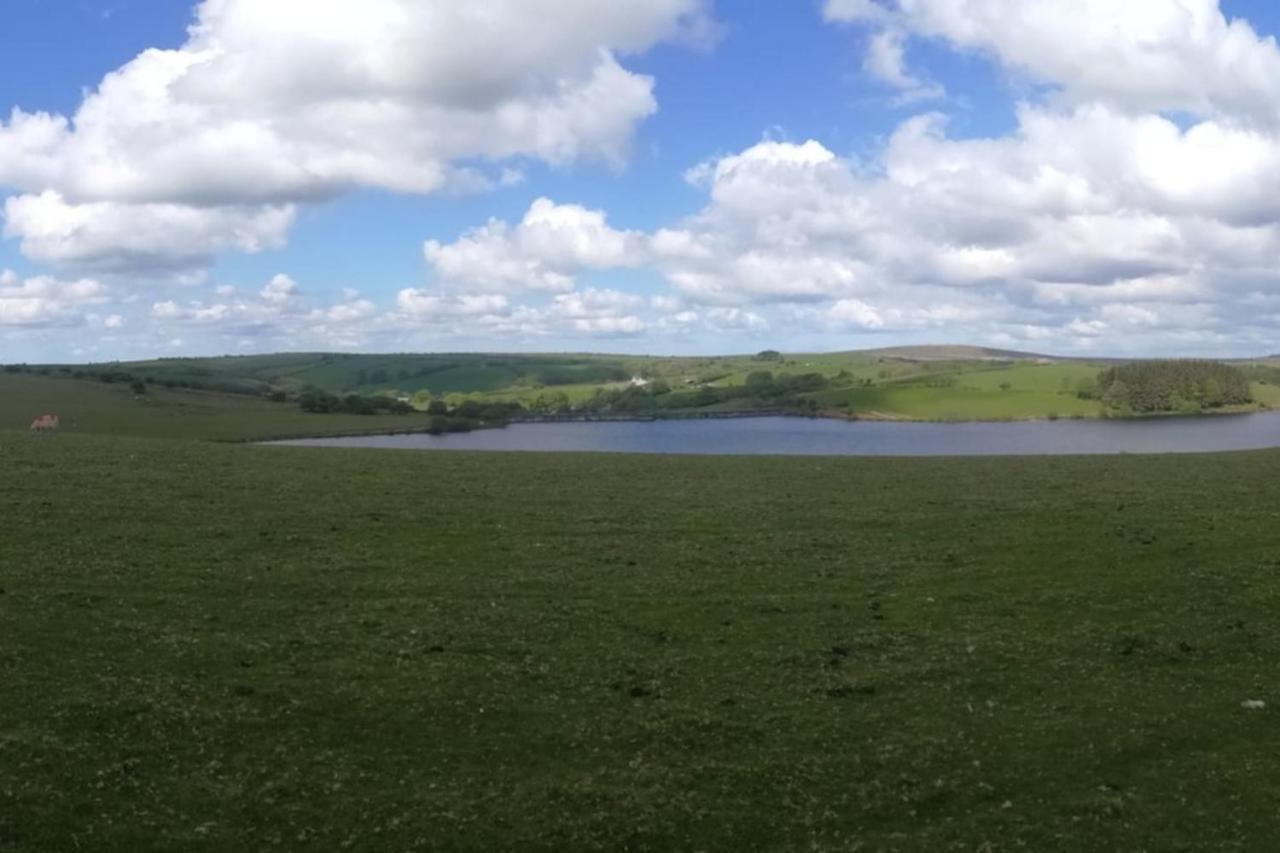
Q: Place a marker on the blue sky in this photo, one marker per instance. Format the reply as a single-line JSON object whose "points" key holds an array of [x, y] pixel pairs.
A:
{"points": [[810, 175]]}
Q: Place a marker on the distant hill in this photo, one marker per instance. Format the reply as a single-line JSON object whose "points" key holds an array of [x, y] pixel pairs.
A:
{"points": [[961, 353], [917, 382]]}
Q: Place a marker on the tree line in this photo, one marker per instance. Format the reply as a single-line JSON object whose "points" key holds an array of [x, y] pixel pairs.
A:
{"points": [[442, 417], [1174, 386], [761, 390]]}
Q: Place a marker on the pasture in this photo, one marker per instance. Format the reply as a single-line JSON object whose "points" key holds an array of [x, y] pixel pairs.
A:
{"points": [[914, 383], [210, 647], [114, 409]]}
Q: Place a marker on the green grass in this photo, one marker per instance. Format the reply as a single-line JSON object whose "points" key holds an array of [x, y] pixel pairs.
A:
{"points": [[1266, 394], [96, 407], [962, 402], [915, 383], [208, 647], [441, 373]]}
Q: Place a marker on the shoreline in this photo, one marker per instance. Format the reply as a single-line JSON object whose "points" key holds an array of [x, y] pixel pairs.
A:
{"points": [[866, 417]]}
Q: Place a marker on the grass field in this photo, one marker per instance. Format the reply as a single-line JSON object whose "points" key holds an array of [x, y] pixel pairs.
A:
{"points": [[913, 383], [208, 647], [95, 407]]}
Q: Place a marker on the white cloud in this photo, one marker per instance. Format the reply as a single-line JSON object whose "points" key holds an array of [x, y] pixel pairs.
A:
{"points": [[208, 147], [157, 238], [854, 313], [545, 251], [1137, 55], [278, 314], [607, 313], [280, 290], [591, 313], [428, 306], [1083, 222], [735, 320], [885, 61], [1134, 204], [347, 312], [46, 301], [855, 10]]}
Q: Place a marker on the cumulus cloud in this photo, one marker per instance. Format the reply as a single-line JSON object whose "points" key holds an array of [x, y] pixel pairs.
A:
{"points": [[885, 60], [1137, 55], [278, 314], [209, 146], [152, 238], [1132, 205], [592, 312], [429, 306], [1087, 215], [46, 301], [545, 251], [1085, 222], [1101, 216]]}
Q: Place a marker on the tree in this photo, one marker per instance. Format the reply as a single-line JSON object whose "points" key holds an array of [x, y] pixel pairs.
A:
{"points": [[551, 402], [1117, 395], [358, 405], [1150, 387], [473, 409], [318, 402]]}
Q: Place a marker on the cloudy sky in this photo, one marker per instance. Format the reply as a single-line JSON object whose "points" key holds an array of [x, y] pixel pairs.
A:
{"points": [[662, 176]]}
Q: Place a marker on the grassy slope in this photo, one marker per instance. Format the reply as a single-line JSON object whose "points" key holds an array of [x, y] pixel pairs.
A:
{"points": [[441, 373], [903, 380], [95, 407], [1033, 391], [210, 647]]}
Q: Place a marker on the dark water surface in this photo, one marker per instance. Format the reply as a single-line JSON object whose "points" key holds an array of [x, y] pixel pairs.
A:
{"points": [[813, 437]]}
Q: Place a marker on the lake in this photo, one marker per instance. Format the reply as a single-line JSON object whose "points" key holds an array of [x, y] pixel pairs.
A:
{"points": [[820, 437]]}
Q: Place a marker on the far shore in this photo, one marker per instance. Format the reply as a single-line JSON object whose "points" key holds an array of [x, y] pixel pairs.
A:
{"points": [[833, 415]]}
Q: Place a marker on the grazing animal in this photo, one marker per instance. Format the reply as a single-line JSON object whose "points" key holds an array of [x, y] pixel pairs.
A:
{"points": [[45, 423]]}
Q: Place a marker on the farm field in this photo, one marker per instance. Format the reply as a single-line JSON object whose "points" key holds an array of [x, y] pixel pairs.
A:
{"points": [[977, 393], [216, 647]]}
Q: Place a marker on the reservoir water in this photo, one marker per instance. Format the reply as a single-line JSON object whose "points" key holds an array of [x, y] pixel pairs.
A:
{"points": [[817, 437]]}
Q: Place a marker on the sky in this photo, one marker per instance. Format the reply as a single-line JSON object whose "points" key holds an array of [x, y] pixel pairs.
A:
{"points": [[641, 176]]}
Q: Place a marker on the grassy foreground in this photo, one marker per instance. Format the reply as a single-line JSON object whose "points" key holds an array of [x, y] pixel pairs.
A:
{"points": [[209, 647]]}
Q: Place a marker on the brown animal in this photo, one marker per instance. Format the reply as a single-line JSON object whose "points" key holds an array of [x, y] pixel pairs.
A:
{"points": [[45, 423]]}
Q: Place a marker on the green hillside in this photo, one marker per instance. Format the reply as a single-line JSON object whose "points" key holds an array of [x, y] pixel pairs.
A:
{"points": [[915, 383], [114, 409]]}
